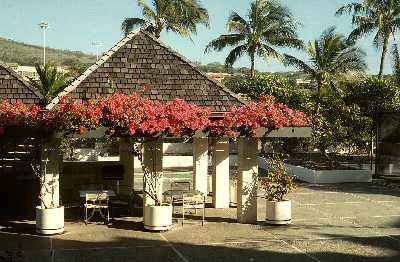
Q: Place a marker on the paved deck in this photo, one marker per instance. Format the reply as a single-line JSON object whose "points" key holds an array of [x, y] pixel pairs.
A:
{"points": [[347, 222]]}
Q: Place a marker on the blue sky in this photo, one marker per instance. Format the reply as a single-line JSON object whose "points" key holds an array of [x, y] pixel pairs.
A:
{"points": [[75, 24]]}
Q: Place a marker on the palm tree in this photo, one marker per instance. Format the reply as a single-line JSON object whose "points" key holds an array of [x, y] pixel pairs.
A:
{"points": [[329, 56], [179, 16], [50, 82], [269, 25], [381, 17]]}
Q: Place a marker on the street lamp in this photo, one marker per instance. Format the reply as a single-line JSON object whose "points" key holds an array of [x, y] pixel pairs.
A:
{"points": [[44, 26], [97, 45]]}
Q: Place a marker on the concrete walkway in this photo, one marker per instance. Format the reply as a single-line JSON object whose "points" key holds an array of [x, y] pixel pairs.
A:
{"points": [[347, 222]]}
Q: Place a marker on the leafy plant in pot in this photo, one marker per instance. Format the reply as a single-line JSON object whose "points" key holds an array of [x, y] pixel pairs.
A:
{"points": [[276, 185], [49, 214], [157, 215]]}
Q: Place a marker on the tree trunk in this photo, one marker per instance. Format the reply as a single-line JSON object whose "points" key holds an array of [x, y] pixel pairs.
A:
{"points": [[252, 57], [384, 51], [318, 106]]}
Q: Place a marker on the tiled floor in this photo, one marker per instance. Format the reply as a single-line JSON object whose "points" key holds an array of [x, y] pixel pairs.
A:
{"points": [[345, 222]]}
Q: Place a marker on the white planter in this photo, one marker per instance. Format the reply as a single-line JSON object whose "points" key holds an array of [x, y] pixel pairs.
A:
{"points": [[329, 176], [157, 218], [279, 212], [49, 220]]}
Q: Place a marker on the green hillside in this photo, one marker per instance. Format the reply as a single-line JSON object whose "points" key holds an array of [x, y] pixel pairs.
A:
{"points": [[25, 54]]}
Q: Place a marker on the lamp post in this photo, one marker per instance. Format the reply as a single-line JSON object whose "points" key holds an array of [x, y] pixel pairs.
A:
{"points": [[97, 45], [44, 26]]}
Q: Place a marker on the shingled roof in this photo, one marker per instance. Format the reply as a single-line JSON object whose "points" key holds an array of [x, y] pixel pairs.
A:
{"points": [[140, 59], [14, 88]]}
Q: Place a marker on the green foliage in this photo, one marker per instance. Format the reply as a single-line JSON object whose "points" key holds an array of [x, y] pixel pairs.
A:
{"points": [[50, 82], [24, 54], [269, 25], [277, 182], [340, 125], [373, 95], [178, 16], [255, 87]]}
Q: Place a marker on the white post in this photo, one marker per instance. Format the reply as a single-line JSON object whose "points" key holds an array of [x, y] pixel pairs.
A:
{"points": [[220, 185], [200, 164], [152, 160], [44, 26], [126, 158], [50, 160], [247, 180]]}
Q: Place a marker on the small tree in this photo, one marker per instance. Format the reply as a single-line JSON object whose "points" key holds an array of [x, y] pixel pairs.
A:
{"points": [[277, 184], [50, 83]]}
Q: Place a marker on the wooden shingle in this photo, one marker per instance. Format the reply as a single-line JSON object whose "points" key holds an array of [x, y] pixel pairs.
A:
{"points": [[141, 59]]}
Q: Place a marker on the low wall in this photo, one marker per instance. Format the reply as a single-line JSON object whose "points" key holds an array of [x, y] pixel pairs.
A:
{"points": [[329, 176]]}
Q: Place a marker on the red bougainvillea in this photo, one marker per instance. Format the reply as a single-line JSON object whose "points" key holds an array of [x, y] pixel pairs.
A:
{"points": [[20, 114], [139, 116], [245, 120]]}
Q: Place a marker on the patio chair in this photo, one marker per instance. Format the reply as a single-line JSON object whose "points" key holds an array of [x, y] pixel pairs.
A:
{"points": [[188, 202], [97, 203]]}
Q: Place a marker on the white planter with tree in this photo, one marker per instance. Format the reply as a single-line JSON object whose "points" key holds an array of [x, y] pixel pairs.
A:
{"points": [[49, 214], [157, 215], [276, 185]]}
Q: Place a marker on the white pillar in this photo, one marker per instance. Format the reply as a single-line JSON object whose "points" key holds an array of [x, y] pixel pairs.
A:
{"points": [[152, 160], [126, 157], [247, 180], [200, 164], [220, 186], [50, 161]]}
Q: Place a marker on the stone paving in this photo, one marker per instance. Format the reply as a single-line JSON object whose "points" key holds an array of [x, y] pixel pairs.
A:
{"points": [[345, 222]]}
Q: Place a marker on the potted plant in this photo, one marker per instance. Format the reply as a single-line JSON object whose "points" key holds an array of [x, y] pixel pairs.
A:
{"points": [[49, 214], [276, 185], [157, 216]]}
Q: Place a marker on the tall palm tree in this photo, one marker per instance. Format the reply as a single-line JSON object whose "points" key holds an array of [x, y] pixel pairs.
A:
{"points": [[329, 56], [269, 25], [50, 83], [179, 16], [381, 17]]}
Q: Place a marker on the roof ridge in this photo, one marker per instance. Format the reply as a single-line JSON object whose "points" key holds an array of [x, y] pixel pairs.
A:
{"points": [[92, 68], [21, 79], [183, 58]]}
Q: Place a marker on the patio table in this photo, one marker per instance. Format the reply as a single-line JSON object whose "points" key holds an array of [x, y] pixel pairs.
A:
{"points": [[191, 196]]}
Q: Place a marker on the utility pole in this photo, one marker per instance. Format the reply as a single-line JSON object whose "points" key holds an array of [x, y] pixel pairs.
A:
{"points": [[44, 26]]}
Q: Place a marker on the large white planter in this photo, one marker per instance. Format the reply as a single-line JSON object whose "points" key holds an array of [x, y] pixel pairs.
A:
{"points": [[157, 218], [329, 176], [49, 220], [279, 212]]}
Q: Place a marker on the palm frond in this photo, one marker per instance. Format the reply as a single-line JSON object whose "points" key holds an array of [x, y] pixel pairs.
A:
{"points": [[234, 54], [130, 23], [223, 41]]}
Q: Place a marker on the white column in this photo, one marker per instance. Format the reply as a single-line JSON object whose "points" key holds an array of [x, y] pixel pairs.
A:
{"points": [[200, 163], [126, 157], [220, 159], [152, 160], [247, 180], [50, 161]]}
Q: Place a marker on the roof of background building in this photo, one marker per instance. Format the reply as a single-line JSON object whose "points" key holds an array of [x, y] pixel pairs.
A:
{"points": [[14, 88], [140, 59]]}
